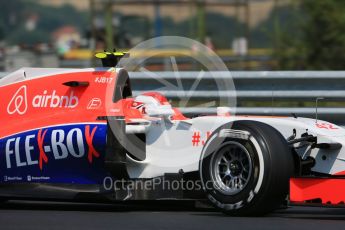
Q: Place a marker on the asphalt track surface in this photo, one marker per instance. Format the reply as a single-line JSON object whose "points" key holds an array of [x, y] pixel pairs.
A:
{"points": [[53, 215]]}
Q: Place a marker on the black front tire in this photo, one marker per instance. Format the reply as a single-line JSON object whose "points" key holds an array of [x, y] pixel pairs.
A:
{"points": [[271, 165]]}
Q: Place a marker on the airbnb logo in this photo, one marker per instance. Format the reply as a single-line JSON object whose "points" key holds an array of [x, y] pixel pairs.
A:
{"points": [[19, 102], [52, 100]]}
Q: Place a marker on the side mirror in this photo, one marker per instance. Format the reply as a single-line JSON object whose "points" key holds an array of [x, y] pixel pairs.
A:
{"points": [[224, 111], [161, 110]]}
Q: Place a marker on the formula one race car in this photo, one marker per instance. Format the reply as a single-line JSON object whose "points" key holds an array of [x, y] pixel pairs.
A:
{"points": [[79, 134]]}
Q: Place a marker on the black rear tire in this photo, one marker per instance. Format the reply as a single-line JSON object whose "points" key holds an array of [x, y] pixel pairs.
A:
{"points": [[261, 189]]}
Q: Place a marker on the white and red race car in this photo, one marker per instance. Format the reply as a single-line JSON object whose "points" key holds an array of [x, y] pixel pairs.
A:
{"points": [[79, 134]]}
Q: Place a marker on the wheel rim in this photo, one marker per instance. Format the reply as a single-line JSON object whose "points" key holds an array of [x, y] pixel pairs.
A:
{"points": [[231, 168]]}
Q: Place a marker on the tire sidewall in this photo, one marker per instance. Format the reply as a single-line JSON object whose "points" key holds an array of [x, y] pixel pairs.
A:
{"points": [[260, 180]]}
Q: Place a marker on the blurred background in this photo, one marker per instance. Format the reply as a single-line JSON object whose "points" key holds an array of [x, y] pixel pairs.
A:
{"points": [[246, 34]]}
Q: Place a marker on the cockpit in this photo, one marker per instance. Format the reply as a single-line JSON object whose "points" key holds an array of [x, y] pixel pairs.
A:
{"points": [[149, 104]]}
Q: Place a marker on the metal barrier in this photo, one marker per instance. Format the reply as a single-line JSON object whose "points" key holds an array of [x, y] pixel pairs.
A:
{"points": [[258, 87]]}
